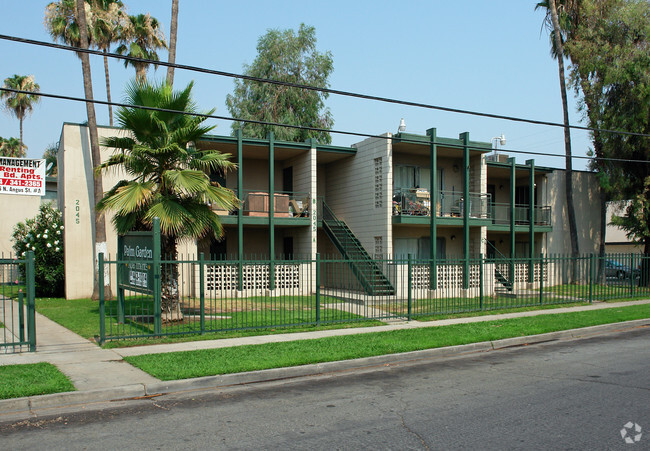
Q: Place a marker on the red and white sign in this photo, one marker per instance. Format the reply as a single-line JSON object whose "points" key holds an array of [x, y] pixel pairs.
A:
{"points": [[22, 176]]}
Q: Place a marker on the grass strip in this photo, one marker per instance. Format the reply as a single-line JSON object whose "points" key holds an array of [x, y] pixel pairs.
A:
{"points": [[189, 364], [32, 379]]}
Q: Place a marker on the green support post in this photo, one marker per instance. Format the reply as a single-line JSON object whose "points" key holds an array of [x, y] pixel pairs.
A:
{"points": [[464, 137], [318, 288], [121, 274], [271, 212], [102, 300], [409, 284], [512, 219], [21, 316], [531, 219], [631, 275], [157, 292], [433, 209], [202, 291], [240, 211], [31, 308]]}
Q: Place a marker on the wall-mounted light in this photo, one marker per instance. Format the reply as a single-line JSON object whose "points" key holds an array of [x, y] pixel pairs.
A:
{"points": [[500, 187], [402, 126], [453, 237], [498, 140]]}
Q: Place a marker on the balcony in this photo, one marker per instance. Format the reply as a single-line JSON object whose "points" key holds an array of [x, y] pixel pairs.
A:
{"points": [[255, 203], [416, 202], [500, 214]]}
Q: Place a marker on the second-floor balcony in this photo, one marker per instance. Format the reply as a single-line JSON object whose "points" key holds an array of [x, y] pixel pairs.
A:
{"points": [[256, 203], [417, 202]]}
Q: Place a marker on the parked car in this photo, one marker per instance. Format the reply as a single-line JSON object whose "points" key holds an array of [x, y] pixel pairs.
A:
{"points": [[619, 270]]}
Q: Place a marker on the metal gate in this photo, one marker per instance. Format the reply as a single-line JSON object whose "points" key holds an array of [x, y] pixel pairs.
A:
{"points": [[17, 312]]}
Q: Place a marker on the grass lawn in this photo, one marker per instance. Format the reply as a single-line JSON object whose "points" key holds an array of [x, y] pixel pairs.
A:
{"points": [[183, 365], [82, 317], [17, 381]]}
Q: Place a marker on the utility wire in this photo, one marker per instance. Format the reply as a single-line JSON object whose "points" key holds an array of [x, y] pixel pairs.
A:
{"points": [[314, 88], [303, 127]]}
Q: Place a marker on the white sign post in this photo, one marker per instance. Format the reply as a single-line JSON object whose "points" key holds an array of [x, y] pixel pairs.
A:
{"points": [[22, 176]]}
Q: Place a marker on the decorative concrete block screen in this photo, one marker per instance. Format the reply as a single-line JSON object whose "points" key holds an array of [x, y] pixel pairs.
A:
{"points": [[223, 279]]}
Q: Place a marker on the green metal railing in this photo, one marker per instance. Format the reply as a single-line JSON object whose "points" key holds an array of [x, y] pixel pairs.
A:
{"points": [[326, 290], [286, 204], [17, 304], [416, 202], [500, 214]]}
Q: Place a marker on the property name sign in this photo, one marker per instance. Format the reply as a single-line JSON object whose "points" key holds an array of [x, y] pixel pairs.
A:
{"points": [[22, 176], [135, 253]]}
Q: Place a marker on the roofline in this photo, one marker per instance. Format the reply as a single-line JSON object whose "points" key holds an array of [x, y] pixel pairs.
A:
{"points": [[479, 146], [519, 166]]}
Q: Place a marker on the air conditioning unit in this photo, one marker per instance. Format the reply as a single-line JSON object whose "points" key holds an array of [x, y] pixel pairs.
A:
{"points": [[498, 157]]}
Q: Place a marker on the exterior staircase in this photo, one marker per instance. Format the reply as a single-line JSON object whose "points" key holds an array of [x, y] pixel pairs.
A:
{"points": [[503, 286], [364, 268]]}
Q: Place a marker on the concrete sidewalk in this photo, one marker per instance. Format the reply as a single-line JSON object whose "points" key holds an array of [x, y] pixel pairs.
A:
{"points": [[102, 374]]}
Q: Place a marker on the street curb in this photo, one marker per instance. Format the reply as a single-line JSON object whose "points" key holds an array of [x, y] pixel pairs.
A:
{"points": [[27, 407]]}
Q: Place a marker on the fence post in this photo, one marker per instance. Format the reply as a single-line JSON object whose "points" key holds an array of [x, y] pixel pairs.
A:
{"points": [[318, 288], [591, 277], [21, 316], [31, 313], [480, 280], [102, 304], [409, 282], [541, 278], [202, 291], [157, 320], [631, 274]]}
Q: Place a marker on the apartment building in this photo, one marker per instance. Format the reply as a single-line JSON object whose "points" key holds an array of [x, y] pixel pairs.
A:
{"points": [[389, 196]]}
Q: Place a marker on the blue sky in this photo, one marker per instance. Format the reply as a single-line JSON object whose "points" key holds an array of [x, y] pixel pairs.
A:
{"points": [[489, 56]]}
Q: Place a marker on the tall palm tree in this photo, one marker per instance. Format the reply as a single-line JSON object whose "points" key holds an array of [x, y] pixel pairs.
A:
{"points": [[141, 38], [98, 189], [108, 20], [20, 104], [173, 31], [10, 147], [167, 176], [51, 161], [557, 51], [105, 20]]}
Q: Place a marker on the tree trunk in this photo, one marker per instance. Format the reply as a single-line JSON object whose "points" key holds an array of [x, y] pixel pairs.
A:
{"points": [[20, 151], [141, 73], [170, 295], [98, 191], [108, 89], [173, 31], [573, 230]]}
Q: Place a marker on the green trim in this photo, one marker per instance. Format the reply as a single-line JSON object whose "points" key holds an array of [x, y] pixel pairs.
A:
{"points": [[279, 144], [263, 221], [531, 220], [240, 211], [523, 167], [512, 226], [271, 141], [433, 229], [442, 142]]}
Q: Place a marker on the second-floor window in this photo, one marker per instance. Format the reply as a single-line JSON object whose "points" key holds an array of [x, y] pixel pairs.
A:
{"points": [[407, 177]]}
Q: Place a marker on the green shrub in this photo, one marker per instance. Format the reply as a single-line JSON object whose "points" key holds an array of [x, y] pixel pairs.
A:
{"points": [[43, 235]]}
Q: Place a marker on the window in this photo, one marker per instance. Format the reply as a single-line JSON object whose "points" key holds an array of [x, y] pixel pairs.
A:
{"points": [[419, 248], [407, 177]]}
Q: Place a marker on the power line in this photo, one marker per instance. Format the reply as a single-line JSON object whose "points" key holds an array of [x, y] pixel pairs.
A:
{"points": [[301, 127], [314, 88]]}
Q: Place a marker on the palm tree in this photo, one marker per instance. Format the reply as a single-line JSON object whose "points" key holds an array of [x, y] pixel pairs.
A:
{"points": [[96, 158], [167, 176], [51, 161], [557, 51], [105, 19], [10, 147], [20, 104], [173, 31], [108, 20], [141, 38]]}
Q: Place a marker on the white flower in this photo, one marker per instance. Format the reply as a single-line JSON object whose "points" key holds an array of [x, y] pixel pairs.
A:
{"points": [[38, 236], [58, 232], [33, 248], [61, 227], [23, 254], [45, 236], [46, 232], [49, 244], [56, 249], [56, 242]]}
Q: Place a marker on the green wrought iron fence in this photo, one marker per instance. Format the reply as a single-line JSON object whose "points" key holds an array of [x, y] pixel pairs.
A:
{"points": [[17, 313], [203, 295]]}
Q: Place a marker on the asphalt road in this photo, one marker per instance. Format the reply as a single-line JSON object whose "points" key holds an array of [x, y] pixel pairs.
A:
{"points": [[559, 395]]}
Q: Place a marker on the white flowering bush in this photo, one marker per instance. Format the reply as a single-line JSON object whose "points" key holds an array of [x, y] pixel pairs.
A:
{"points": [[43, 235]]}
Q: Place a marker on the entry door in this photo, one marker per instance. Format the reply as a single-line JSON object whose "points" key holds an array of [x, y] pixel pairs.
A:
{"points": [[287, 180]]}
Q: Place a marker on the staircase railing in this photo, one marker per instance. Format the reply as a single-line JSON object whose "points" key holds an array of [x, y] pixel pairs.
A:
{"points": [[365, 269], [501, 277]]}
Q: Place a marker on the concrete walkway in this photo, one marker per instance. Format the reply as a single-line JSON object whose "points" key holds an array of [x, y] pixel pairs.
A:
{"points": [[103, 375]]}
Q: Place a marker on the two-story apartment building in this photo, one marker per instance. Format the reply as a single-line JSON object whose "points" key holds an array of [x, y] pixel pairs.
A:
{"points": [[386, 197]]}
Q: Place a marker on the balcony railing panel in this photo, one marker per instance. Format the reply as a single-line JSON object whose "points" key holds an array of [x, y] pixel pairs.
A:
{"points": [[285, 204], [500, 214]]}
